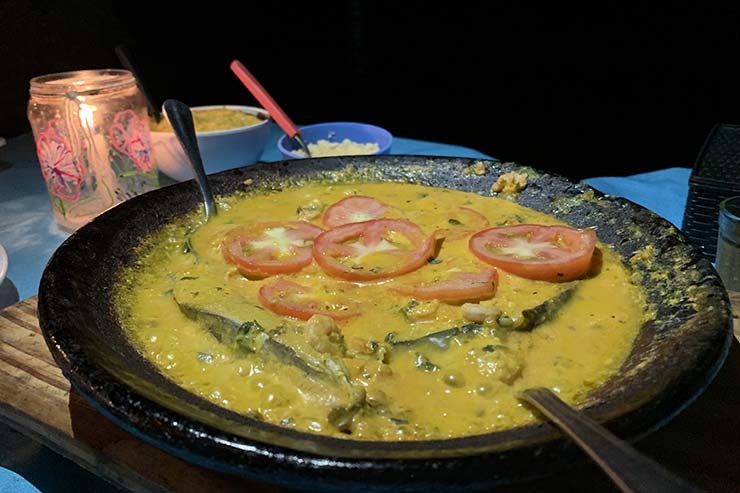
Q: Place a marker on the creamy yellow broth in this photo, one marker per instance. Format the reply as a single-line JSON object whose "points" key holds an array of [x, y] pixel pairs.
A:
{"points": [[211, 120], [408, 394]]}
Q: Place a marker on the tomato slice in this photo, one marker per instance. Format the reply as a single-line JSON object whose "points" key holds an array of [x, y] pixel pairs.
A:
{"points": [[265, 249], [462, 223], [533, 251], [353, 209], [460, 286], [294, 300], [370, 250]]}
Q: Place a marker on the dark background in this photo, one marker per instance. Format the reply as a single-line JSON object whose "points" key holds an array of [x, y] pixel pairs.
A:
{"points": [[605, 90]]}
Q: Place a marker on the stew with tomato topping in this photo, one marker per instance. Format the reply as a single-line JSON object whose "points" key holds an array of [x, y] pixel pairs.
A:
{"points": [[380, 311]]}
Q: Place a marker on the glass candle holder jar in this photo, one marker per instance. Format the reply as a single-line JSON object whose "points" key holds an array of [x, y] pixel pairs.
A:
{"points": [[91, 129]]}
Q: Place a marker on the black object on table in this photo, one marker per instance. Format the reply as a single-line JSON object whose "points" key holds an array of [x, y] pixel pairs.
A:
{"points": [[127, 60], [714, 177]]}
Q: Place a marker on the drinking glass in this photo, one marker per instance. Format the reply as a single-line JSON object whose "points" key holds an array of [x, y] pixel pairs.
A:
{"points": [[728, 243]]}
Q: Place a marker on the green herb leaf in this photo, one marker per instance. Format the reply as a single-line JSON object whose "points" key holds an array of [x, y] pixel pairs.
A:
{"points": [[205, 358], [424, 364]]}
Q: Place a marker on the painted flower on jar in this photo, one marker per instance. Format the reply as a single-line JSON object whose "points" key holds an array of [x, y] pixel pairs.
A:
{"points": [[129, 134], [58, 165]]}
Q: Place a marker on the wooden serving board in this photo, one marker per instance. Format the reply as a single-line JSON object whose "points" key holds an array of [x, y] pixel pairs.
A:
{"points": [[702, 444], [36, 399]]}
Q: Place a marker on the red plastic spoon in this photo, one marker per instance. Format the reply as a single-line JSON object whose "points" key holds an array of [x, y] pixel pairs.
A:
{"points": [[266, 100]]}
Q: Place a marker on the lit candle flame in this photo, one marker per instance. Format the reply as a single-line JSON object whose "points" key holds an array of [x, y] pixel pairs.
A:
{"points": [[86, 115]]}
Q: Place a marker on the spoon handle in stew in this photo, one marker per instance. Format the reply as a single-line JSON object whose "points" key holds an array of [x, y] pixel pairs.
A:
{"points": [[261, 94], [181, 119], [629, 469]]}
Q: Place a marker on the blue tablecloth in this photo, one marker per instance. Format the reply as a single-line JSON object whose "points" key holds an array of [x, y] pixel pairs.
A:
{"points": [[663, 192], [30, 235]]}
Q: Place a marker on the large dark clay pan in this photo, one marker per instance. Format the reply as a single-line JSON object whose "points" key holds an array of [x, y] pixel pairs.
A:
{"points": [[673, 359]]}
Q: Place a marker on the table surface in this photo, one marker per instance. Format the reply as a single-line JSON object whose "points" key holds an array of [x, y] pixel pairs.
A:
{"points": [[30, 235]]}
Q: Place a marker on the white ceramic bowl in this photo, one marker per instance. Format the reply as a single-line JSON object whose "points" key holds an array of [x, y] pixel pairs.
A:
{"points": [[220, 149]]}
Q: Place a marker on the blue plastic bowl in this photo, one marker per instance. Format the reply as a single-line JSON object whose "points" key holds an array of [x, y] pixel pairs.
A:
{"points": [[336, 132]]}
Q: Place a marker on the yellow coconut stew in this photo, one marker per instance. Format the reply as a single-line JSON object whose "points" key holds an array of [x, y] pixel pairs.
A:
{"points": [[380, 311]]}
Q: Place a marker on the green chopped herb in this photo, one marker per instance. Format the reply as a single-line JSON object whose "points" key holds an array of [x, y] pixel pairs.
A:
{"points": [[424, 364], [187, 247], [205, 358], [407, 309], [251, 336]]}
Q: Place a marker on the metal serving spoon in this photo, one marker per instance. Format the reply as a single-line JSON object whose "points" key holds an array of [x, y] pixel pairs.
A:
{"points": [[629, 469], [181, 119]]}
